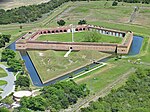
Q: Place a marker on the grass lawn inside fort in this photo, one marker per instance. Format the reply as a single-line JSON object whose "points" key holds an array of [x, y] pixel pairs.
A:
{"points": [[79, 37], [51, 64]]}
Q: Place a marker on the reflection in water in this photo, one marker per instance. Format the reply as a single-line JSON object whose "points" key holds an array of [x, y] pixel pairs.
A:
{"points": [[135, 49], [136, 45]]}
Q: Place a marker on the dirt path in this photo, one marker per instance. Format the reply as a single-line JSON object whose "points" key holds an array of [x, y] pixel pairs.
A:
{"points": [[85, 102], [134, 14]]}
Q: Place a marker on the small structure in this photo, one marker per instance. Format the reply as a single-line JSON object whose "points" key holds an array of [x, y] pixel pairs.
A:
{"points": [[19, 94]]}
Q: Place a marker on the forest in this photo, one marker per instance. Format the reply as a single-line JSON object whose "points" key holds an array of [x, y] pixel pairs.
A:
{"points": [[55, 97], [31, 13], [132, 97]]}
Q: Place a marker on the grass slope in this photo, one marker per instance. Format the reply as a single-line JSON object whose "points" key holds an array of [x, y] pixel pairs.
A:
{"points": [[51, 64], [100, 78]]}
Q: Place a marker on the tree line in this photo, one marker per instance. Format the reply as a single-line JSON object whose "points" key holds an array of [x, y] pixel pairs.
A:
{"points": [[55, 97], [29, 13], [132, 97]]}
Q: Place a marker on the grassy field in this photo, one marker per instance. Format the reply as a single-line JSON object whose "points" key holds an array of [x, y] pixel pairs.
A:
{"points": [[2, 73], [100, 78], [8, 4], [51, 64], [103, 11], [79, 37]]}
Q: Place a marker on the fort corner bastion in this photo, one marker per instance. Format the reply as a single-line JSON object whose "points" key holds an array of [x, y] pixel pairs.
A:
{"points": [[28, 41]]}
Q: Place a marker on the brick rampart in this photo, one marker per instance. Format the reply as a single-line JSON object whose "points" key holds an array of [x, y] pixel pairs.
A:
{"points": [[31, 43]]}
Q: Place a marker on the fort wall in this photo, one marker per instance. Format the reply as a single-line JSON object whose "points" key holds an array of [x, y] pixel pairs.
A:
{"points": [[32, 44]]}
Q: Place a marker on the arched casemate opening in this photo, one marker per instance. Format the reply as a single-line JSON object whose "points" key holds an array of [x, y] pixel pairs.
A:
{"points": [[123, 35], [76, 29], [70, 48], [45, 32], [61, 31], [107, 32], [57, 31], [80, 29], [65, 30], [84, 29], [49, 31], [53, 31]]}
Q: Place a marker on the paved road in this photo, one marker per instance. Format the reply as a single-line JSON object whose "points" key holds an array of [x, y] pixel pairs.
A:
{"points": [[10, 87]]}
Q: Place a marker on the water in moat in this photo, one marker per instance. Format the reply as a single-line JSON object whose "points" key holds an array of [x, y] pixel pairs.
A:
{"points": [[135, 49]]}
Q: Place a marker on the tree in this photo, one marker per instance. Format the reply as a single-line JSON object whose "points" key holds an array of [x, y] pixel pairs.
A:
{"points": [[2, 43], [29, 13], [6, 38], [115, 3], [55, 97], [16, 65], [81, 22], [8, 100], [3, 109], [34, 103], [20, 27], [92, 37], [132, 97], [23, 81], [61, 22], [24, 110], [8, 54]]}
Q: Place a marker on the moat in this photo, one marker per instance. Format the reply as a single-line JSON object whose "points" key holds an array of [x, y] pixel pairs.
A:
{"points": [[134, 50]]}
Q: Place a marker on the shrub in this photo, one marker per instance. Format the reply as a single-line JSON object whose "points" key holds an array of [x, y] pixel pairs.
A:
{"points": [[61, 22], [114, 3]]}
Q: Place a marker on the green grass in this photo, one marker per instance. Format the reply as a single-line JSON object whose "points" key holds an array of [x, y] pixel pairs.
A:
{"points": [[95, 13], [2, 82], [2, 73], [51, 64], [79, 37], [99, 79]]}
